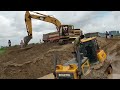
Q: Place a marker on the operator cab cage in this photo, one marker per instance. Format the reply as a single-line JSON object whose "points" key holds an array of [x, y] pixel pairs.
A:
{"points": [[89, 47]]}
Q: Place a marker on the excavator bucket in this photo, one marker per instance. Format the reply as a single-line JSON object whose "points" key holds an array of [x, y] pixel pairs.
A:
{"points": [[26, 40]]}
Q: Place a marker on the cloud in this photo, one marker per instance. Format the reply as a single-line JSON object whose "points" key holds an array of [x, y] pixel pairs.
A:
{"points": [[12, 24], [108, 22]]}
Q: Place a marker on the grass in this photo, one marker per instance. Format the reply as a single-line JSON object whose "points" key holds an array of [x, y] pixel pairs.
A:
{"points": [[2, 50]]}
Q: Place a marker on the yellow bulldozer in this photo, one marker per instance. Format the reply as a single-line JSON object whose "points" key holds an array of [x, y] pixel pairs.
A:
{"points": [[89, 57]]}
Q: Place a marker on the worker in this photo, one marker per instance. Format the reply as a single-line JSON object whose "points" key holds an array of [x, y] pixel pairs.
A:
{"points": [[21, 44], [107, 34], [77, 43], [110, 34], [40, 41], [9, 43]]}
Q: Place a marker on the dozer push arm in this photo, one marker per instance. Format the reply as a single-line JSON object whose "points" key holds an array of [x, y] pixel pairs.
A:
{"points": [[41, 17]]}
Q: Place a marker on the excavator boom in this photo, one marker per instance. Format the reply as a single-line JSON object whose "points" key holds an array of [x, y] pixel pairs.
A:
{"points": [[38, 16]]}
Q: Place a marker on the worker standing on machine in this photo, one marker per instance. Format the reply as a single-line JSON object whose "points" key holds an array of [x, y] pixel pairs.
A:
{"points": [[77, 52], [77, 43]]}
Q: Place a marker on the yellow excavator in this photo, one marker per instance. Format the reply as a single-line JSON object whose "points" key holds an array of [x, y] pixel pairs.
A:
{"points": [[89, 60], [65, 31]]}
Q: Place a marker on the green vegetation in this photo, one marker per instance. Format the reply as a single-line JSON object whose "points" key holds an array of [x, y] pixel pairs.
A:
{"points": [[15, 45], [2, 50]]}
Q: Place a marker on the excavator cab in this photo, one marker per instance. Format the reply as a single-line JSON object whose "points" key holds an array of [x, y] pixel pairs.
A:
{"points": [[64, 33], [65, 29]]}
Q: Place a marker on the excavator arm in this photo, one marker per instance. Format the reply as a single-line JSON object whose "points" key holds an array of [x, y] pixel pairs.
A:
{"points": [[41, 17]]}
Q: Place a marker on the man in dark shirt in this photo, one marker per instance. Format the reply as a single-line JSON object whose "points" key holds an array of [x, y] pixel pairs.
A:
{"points": [[9, 43]]}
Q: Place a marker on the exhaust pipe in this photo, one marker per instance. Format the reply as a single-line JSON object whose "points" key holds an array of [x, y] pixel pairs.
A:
{"points": [[26, 40]]}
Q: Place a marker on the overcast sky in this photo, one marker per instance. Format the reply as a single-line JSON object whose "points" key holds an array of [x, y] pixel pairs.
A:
{"points": [[12, 24]]}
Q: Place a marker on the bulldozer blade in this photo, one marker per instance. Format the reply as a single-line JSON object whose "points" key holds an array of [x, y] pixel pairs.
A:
{"points": [[26, 40]]}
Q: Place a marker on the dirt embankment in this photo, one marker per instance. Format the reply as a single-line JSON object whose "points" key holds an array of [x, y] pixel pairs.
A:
{"points": [[112, 48], [37, 60], [32, 62]]}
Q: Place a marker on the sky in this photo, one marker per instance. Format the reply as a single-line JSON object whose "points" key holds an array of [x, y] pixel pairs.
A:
{"points": [[12, 24]]}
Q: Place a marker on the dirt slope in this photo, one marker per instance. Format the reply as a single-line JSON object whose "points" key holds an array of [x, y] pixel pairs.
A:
{"points": [[33, 62], [37, 60], [112, 48]]}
